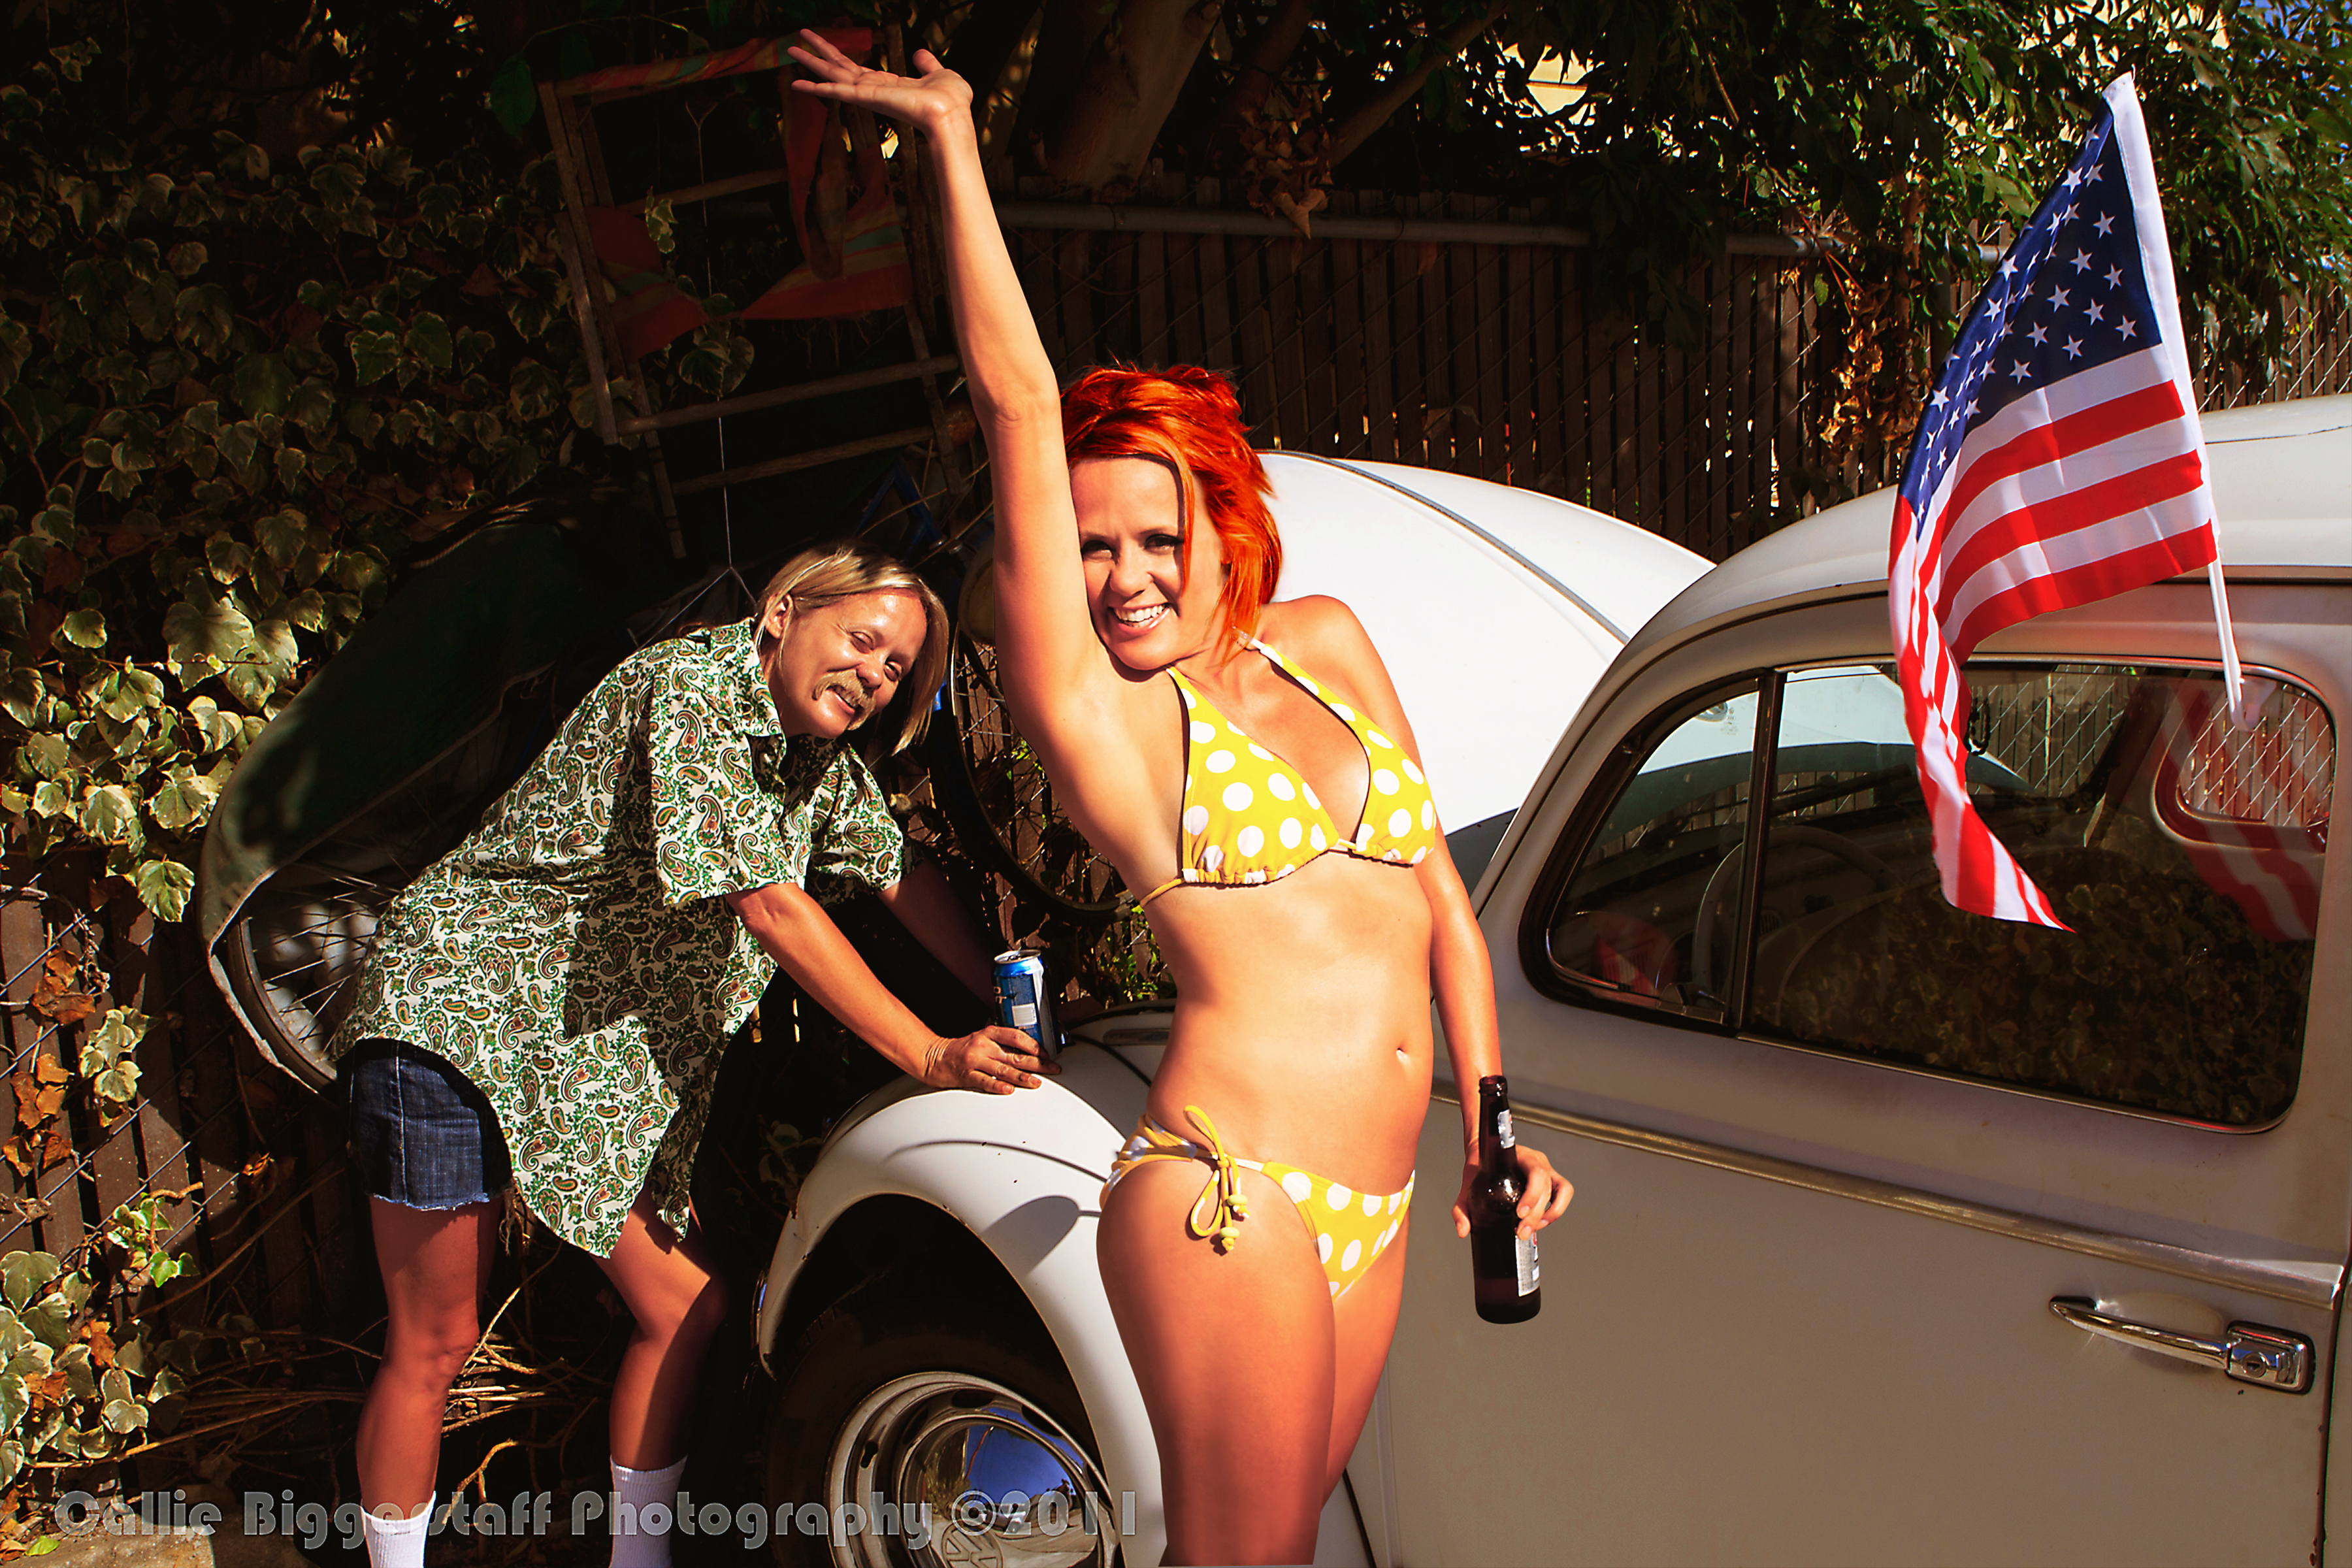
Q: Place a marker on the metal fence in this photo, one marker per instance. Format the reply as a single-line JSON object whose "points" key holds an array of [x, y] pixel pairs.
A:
{"points": [[242, 1156]]}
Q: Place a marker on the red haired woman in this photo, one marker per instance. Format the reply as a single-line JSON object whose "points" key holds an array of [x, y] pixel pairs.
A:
{"points": [[1246, 760]]}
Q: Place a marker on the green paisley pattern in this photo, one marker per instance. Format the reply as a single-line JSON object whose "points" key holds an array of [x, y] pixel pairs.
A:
{"points": [[575, 957]]}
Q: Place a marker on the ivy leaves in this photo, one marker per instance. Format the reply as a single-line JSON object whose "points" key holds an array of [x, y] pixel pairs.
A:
{"points": [[233, 394], [67, 1392]]}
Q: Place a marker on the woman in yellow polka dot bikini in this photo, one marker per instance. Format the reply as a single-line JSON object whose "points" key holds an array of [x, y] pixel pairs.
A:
{"points": [[1245, 760]]}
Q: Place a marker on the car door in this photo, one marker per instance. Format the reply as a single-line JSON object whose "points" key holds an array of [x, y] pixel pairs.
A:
{"points": [[1838, 1148]]}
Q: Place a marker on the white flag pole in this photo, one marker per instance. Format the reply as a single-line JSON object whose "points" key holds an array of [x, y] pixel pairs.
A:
{"points": [[2156, 261]]}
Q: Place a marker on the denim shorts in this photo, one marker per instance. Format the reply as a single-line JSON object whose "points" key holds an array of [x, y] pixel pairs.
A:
{"points": [[426, 1138]]}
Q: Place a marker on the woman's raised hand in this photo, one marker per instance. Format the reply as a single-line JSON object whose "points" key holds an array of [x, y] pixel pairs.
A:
{"points": [[934, 99], [994, 1061]]}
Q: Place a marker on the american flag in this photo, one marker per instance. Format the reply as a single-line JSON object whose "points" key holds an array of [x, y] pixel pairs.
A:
{"points": [[2248, 804], [2059, 461]]}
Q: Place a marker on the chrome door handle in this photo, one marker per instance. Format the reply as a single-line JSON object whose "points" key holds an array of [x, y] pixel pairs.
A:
{"points": [[2268, 1358]]}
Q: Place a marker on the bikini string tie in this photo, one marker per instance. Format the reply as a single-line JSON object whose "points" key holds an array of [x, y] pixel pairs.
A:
{"points": [[1221, 1195]]}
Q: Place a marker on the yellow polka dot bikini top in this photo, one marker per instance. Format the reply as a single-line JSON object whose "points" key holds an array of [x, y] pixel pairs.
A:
{"points": [[1249, 817]]}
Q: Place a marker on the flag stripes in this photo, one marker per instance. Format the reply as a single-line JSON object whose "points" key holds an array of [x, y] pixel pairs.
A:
{"points": [[2059, 462]]}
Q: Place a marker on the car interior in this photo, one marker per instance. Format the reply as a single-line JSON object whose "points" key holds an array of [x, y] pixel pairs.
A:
{"points": [[2184, 851]]}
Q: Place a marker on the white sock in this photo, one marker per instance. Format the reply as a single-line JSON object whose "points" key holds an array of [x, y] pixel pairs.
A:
{"points": [[398, 1542], [635, 1490]]}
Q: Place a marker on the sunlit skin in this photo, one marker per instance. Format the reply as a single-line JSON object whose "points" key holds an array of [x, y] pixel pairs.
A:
{"points": [[1302, 1028], [1147, 608], [837, 664]]}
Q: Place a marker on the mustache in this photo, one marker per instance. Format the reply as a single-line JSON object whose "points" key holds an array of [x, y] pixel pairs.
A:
{"points": [[851, 691]]}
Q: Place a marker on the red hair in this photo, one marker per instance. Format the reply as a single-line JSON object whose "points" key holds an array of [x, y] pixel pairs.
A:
{"points": [[1190, 418]]}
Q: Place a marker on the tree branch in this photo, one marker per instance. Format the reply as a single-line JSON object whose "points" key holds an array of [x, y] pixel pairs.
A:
{"points": [[1269, 52], [1400, 89], [1106, 129]]}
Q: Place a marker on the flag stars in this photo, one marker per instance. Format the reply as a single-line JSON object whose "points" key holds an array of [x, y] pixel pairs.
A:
{"points": [[2114, 276], [2017, 371], [1938, 399], [2105, 226], [2073, 348], [2057, 297], [2094, 177], [2041, 336], [2082, 262], [2098, 311], [2126, 326]]}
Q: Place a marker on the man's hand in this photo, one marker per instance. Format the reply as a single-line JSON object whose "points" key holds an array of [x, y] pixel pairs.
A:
{"points": [[993, 1060]]}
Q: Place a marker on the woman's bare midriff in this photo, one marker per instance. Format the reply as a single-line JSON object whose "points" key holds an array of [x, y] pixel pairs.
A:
{"points": [[1302, 1018]]}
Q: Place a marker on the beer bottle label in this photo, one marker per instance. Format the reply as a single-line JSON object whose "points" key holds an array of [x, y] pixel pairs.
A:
{"points": [[1530, 1272], [1503, 1137]]}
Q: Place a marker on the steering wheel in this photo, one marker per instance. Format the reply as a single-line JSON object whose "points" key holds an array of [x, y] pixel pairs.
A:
{"points": [[1720, 880]]}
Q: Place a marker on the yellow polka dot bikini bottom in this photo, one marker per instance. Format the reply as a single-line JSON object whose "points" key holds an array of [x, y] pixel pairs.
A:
{"points": [[1351, 1229]]}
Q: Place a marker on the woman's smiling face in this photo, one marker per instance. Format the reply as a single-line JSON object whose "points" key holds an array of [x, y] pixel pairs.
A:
{"points": [[837, 664], [1147, 608]]}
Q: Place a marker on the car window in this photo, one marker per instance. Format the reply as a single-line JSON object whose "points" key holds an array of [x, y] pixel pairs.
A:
{"points": [[2184, 852], [1651, 913]]}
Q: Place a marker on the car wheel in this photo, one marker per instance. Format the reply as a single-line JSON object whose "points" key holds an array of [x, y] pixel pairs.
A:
{"points": [[932, 1407]]}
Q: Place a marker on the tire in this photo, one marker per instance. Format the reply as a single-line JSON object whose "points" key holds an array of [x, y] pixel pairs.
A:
{"points": [[929, 1403], [293, 955]]}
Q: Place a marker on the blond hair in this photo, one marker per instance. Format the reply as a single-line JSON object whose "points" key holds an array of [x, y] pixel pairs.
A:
{"points": [[843, 569]]}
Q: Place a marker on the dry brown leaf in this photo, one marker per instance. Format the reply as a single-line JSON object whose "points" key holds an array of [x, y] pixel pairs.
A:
{"points": [[71, 1007]]}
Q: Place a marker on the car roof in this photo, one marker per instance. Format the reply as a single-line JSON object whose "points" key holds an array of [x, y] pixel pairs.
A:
{"points": [[1496, 610], [2281, 478]]}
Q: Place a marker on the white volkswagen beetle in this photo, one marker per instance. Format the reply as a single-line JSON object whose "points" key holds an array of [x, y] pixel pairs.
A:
{"points": [[1900, 1234]]}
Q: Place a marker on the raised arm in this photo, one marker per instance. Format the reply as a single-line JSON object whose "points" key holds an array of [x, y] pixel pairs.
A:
{"points": [[1055, 668]]}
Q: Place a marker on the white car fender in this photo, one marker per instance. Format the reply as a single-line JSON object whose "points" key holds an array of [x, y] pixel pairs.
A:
{"points": [[1023, 1173]]}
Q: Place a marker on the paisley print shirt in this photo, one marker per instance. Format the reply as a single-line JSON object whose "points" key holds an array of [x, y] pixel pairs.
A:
{"points": [[575, 957]]}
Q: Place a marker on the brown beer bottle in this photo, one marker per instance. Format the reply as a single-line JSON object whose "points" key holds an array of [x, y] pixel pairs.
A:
{"points": [[1505, 1280]]}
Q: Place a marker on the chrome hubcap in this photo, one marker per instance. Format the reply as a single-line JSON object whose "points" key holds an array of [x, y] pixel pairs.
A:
{"points": [[950, 1469]]}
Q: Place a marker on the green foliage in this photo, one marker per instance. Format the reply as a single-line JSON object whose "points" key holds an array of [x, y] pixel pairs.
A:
{"points": [[69, 1393], [107, 1062], [1910, 130], [234, 391]]}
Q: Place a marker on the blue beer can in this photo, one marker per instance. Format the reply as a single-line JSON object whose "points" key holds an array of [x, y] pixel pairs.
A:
{"points": [[1023, 1001]]}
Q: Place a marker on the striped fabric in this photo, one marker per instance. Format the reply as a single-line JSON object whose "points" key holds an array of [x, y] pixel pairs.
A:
{"points": [[2249, 804], [845, 215], [2059, 461], [631, 81]]}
